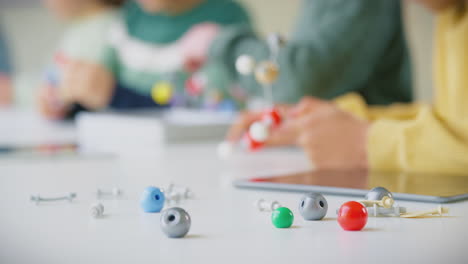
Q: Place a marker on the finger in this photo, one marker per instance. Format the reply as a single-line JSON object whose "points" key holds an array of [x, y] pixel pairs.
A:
{"points": [[284, 109], [241, 125], [308, 125], [305, 106], [286, 134]]}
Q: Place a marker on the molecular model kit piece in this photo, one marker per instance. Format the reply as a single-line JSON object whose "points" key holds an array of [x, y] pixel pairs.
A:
{"points": [[152, 200], [97, 210], [266, 73], [438, 211], [378, 193], [379, 202], [313, 206], [114, 193], [266, 206], [175, 222], [385, 202], [352, 216], [174, 194], [282, 217], [38, 199]]}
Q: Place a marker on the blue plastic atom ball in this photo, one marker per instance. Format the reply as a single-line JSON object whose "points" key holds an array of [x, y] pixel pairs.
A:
{"points": [[152, 200]]}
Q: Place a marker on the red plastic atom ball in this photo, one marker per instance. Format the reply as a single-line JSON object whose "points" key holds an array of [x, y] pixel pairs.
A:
{"points": [[250, 143], [352, 216], [272, 116]]}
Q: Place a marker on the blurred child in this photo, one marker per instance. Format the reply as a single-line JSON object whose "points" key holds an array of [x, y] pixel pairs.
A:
{"points": [[336, 46], [161, 43], [402, 137], [80, 55], [5, 74]]}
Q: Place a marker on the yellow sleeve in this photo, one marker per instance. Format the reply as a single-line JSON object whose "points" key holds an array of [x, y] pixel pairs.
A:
{"points": [[356, 105], [425, 138]]}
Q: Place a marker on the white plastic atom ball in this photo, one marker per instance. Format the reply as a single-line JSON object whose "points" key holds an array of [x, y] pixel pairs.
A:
{"points": [[245, 64], [259, 131], [225, 149]]}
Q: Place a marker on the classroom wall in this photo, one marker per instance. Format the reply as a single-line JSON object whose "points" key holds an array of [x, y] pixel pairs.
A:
{"points": [[33, 32], [420, 28]]}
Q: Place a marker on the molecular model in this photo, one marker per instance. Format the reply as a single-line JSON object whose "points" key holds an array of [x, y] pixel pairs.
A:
{"points": [[266, 73]]}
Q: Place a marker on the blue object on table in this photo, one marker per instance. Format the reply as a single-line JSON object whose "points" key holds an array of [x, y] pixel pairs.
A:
{"points": [[152, 200]]}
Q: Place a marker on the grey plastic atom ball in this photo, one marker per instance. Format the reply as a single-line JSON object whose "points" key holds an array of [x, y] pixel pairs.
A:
{"points": [[175, 222], [378, 193], [313, 206]]}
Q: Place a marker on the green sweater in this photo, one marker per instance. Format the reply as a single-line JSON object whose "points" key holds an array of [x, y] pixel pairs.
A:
{"points": [[337, 46], [144, 48]]}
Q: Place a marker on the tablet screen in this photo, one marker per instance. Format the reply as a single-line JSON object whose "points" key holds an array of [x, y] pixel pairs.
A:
{"points": [[439, 185]]}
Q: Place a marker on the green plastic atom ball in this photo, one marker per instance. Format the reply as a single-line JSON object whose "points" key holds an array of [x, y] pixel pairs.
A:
{"points": [[282, 217]]}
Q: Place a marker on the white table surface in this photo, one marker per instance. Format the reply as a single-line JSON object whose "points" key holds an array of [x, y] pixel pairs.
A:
{"points": [[225, 226], [24, 127]]}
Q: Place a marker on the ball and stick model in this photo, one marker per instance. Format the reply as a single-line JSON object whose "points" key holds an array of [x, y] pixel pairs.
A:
{"points": [[313, 206], [352, 216], [152, 200], [266, 73], [175, 222]]}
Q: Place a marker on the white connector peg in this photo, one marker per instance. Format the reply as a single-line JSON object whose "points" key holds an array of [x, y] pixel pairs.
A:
{"points": [[436, 211], [381, 211], [38, 199], [266, 206], [115, 192], [386, 202]]}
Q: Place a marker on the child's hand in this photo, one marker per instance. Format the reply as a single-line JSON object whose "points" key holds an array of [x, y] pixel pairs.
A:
{"points": [[88, 84], [285, 134], [332, 138], [5, 90], [196, 43], [49, 103]]}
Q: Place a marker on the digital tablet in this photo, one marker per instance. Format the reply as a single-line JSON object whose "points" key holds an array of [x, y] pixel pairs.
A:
{"points": [[438, 188]]}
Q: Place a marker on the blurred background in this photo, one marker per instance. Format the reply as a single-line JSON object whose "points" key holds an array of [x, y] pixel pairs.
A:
{"points": [[32, 33]]}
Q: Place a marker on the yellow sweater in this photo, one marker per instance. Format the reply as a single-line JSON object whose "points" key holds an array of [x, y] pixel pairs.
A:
{"points": [[425, 138]]}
